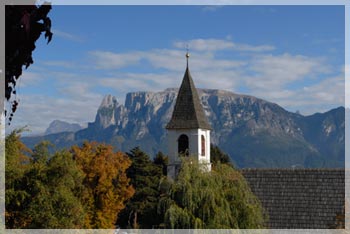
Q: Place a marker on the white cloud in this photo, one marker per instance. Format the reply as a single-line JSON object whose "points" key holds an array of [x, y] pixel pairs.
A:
{"points": [[250, 48], [29, 79], [37, 111], [319, 97], [77, 90], [66, 35], [132, 82], [73, 100], [218, 44], [205, 44], [201, 50], [275, 71], [328, 91], [172, 60], [217, 79], [62, 64], [110, 60]]}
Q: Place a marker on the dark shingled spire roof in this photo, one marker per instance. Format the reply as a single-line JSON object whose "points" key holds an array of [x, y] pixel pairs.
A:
{"points": [[188, 112]]}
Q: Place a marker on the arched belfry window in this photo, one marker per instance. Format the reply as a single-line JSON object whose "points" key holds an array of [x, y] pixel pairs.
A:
{"points": [[183, 145], [203, 145]]}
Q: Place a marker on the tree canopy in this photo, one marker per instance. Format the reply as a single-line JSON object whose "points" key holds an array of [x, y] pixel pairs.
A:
{"points": [[220, 199], [42, 190], [106, 185], [145, 175], [218, 156], [91, 187], [161, 160], [85, 187]]}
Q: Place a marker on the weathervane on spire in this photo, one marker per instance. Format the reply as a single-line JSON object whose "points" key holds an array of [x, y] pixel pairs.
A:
{"points": [[187, 54]]}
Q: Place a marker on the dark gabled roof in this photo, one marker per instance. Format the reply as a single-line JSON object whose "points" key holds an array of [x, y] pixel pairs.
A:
{"points": [[188, 111], [299, 198]]}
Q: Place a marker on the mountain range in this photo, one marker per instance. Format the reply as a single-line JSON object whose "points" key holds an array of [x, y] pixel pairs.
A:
{"points": [[254, 132]]}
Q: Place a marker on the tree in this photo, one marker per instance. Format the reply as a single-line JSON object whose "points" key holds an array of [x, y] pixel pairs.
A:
{"points": [[106, 185], [42, 190], [54, 187], [216, 200], [41, 153], [23, 26], [67, 182], [16, 164], [218, 156], [141, 210], [162, 161]]}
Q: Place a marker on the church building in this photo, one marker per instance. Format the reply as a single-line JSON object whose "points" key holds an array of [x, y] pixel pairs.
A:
{"points": [[188, 129], [292, 198]]}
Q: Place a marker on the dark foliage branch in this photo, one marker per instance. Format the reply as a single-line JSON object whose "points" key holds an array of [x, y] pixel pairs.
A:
{"points": [[23, 26]]}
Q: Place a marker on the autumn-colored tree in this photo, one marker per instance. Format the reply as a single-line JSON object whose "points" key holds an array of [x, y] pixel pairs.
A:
{"points": [[220, 199], [106, 185]]}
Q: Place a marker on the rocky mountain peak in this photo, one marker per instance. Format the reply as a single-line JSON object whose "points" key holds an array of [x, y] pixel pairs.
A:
{"points": [[106, 112], [58, 126], [135, 100], [109, 101]]}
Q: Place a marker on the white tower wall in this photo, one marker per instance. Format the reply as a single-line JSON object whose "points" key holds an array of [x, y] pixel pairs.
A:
{"points": [[195, 148]]}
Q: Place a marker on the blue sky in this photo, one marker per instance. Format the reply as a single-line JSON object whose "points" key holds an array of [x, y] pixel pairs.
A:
{"points": [[290, 55]]}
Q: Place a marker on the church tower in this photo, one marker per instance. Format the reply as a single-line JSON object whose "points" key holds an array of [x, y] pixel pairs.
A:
{"points": [[188, 129]]}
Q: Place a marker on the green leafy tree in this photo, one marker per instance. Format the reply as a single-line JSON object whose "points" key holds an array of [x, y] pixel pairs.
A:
{"points": [[218, 156], [67, 179], [42, 191], [162, 161], [141, 210], [41, 154], [55, 187], [16, 165], [218, 199]]}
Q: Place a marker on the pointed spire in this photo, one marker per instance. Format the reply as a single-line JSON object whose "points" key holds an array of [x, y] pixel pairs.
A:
{"points": [[188, 111], [187, 55]]}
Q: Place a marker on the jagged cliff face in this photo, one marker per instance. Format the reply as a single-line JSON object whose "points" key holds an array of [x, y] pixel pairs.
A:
{"points": [[256, 133], [141, 121], [106, 112]]}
